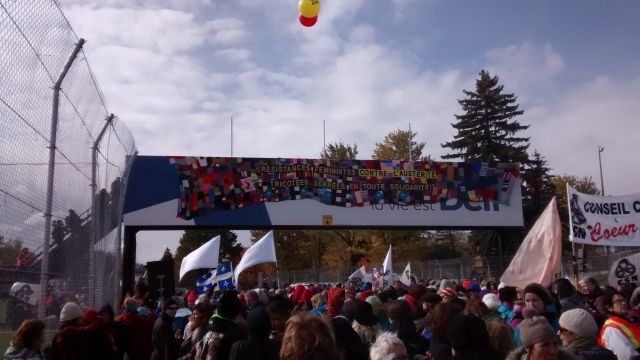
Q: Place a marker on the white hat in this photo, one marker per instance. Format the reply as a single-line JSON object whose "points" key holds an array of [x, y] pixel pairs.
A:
{"points": [[492, 301], [579, 322], [70, 311]]}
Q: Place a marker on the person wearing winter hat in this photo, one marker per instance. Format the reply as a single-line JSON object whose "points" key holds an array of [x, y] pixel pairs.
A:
{"points": [[507, 296], [225, 324], [620, 333], [578, 332], [365, 322], [76, 340], [539, 342], [538, 302], [192, 297], [446, 284], [380, 312], [492, 301], [70, 313], [115, 330], [258, 346], [447, 294]]}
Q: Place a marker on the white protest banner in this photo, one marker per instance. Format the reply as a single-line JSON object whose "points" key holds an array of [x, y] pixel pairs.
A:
{"points": [[625, 271], [25, 292], [604, 220]]}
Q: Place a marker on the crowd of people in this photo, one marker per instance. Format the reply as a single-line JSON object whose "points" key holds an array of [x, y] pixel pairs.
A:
{"points": [[427, 320]]}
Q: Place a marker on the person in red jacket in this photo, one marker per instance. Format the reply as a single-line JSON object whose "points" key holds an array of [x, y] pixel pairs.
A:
{"points": [[77, 340], [137, 330]]}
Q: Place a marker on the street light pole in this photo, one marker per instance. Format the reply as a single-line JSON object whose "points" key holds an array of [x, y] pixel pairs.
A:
{"points": [[600, 150]]}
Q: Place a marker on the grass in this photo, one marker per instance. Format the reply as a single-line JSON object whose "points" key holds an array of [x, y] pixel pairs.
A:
{"points": [[5, 340]]}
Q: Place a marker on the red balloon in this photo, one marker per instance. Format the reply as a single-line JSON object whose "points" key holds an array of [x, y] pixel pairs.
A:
{"points": [[308, 22]]}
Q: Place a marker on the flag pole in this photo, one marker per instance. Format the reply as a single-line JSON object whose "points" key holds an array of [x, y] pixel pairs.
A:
{"points": [[574, 259], [277, 270]]}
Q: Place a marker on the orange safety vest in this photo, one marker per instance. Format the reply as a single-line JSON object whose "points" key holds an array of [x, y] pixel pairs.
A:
{"points": [[629, 329]]}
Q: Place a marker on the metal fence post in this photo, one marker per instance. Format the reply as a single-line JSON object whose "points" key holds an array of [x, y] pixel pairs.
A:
{"points": [[118, 261], [44, 267], [94, 211]]}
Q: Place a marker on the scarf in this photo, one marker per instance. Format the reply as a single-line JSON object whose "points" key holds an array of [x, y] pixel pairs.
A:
{"points": [[581, 344]]}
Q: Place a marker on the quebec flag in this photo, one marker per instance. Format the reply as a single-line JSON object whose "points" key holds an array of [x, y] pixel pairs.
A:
{"points": [[224, 276], [205, 282]]}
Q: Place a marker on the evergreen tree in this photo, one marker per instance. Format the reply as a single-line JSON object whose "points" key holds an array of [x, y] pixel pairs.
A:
{"points": [[339, 151], [167, 256], [538, 188], [395, 146], [487, 130]]}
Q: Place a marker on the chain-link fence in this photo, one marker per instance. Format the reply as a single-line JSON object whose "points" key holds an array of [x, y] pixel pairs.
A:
{"points": [[477, 267], [63, 161]]}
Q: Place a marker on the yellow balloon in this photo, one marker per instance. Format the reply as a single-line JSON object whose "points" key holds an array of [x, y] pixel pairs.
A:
{"points": [[309, 8]]}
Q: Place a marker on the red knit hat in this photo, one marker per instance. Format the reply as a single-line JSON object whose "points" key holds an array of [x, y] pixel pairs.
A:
{"points": [[365, 294], [192, 297], [90, 316], [467, 284], [411, 300]]}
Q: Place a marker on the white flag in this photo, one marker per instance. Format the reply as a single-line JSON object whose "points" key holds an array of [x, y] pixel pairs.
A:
{"points": [[361, 274], [204, 257], [387, 267], [538, 258], [405, 278], [263, 251]]}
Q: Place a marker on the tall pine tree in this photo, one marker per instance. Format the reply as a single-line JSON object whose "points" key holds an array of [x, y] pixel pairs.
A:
{"points": [[488, 131]]}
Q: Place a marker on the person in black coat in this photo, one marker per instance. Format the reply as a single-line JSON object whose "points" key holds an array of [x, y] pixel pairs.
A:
{"points": [[224, 329], [165, 345], [258, 346]]}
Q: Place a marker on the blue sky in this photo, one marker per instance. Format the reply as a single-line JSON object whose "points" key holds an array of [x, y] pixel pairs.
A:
{"points": [[177, 70]]}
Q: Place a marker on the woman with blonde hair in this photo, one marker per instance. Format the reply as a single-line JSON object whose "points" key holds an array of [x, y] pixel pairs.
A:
{"points": [[308, 337]]}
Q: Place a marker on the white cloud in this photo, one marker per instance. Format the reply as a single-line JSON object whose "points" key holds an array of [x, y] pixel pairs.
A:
{"points": [[363, 89], [599, 112], [234, 54], [403, 8], [526, 67], [227, 31], [160, 30]]}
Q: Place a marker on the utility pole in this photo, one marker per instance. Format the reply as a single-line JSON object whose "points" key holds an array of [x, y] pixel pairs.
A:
{"points": [[600, 150]]}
